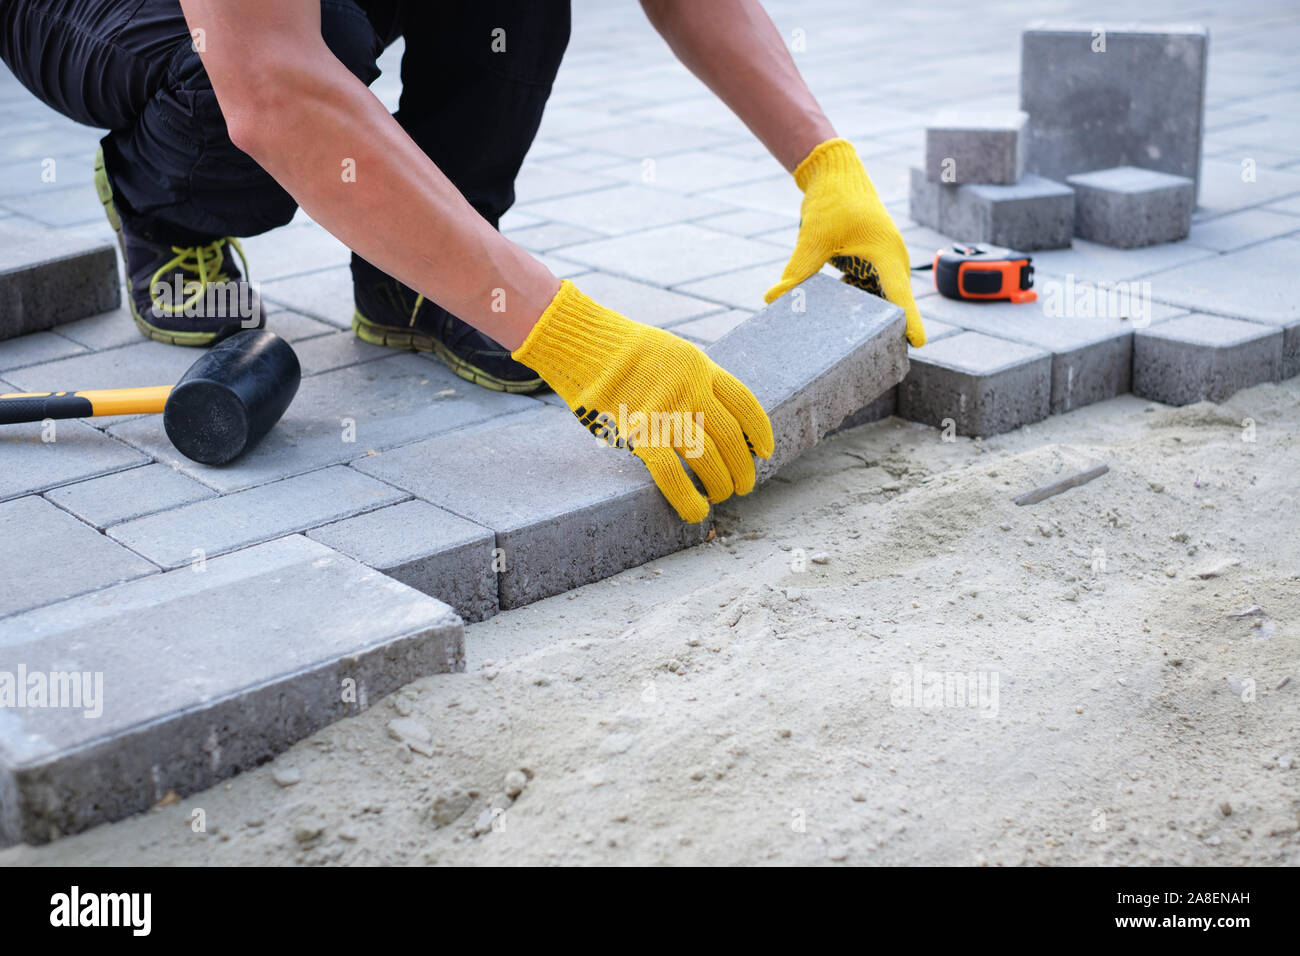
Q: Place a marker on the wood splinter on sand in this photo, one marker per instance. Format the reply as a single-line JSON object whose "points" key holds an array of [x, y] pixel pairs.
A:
{"points": [[1065, 484]]}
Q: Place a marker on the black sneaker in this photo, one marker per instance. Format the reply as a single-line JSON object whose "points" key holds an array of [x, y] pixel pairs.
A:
{"points": [[390, 313], [182, 294]]}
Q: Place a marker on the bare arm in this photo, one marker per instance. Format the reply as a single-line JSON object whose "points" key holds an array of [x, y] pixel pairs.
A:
{"points": [[735, 49], [301, 114]]}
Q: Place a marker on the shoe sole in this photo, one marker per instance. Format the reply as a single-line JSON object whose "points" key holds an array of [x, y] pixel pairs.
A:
{"points": [[166, 336], [394, 338]]}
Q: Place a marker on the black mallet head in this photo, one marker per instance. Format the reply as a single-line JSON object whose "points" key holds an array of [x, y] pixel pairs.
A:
{"points": [[232, 396]]}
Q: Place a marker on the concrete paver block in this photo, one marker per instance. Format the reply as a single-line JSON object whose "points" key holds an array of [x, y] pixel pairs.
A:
{"points": [[672, 255], [341, 415], [198, 531], [965, 146], [1128, 207], [39, 347], [49, 277], [1204, 357], [1258, 284], [1034, 213], [566, 509], [425, 547], [1101, 95], [32, 463], [815, 356], [123, 495], [190, 686], [47, 555], [985, 385]]}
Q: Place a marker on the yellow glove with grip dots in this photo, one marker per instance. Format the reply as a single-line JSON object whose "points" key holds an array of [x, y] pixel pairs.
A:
{"points": [[845, 223], [647, 390]]}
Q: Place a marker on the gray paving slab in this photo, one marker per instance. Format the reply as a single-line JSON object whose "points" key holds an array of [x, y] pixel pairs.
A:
{"points": [[1128, 207], [642, 301], [813, 357], [625, 208], [75, 206], [296, 249], [984, 385], [341, 415], [294, 326], [1035, 213], [188, 687], [710, 328], [1204, 357], [1097, 263], [430, 549], [337, 350], [47, 555], [48, 277], [214, 526], [106, 330], [551, 235], [963, 146], [35, 348], [31, 463], [692, 172], [123, 495], [1228, 185], [1239, 229], [1271, 296], [1139, 101], [566, 510], [674, 255], [325, 295]]}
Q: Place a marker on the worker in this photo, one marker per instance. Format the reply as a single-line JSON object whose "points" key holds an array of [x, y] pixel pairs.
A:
{"points": [[225, 116]]}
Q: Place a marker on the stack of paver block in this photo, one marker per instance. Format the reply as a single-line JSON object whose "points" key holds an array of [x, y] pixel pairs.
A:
{"points": [[974, 187]]}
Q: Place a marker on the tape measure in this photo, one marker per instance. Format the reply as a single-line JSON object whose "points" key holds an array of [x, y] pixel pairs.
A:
{"points": [[980, 271]]}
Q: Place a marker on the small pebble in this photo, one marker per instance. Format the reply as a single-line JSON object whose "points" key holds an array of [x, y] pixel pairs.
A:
{"points": [[286, 776]]}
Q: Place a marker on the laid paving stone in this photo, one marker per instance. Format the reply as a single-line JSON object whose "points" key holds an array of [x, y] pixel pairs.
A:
{"points": [[537, 181], [1240, 229], [623, 209], [425, 547], [741, 288], [566, 510], [337, 350], [1091, 261], [693, 172], [887, 403], [710, 328], [341, 415], [47, 555], [1228, 185], [752, 222], [647, 139], [123, 495], [35, 348], [49, 277], [294, 326], [1035, 213], [189, 688], [1127, 207], [1092, 354], [1257, 284], [1138, 102], [818, 354], [1204, 358], [214, 526], [777, 194], [976, 146], [296, 249], [107, 330], [642, 301], [57, 209], [984, 385], [325, 296], [674, 255], [551, 235], [32, 464]]}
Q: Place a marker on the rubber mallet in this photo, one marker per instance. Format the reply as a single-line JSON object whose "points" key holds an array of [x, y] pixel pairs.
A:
{"points": [[221, 407]]}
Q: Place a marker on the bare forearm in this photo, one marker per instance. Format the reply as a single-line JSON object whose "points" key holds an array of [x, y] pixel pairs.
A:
{"points": [[735, 49], [333, 146]]}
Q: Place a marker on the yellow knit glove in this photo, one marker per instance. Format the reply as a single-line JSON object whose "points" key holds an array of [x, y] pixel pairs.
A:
{"points": [[644, 389], [845, 223]]}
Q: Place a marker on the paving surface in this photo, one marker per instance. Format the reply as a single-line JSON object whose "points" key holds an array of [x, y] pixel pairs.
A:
{"points": [[656, 201]]}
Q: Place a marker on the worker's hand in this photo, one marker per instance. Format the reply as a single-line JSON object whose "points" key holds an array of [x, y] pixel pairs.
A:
{"points": [[845, 223], [644, 389]]}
